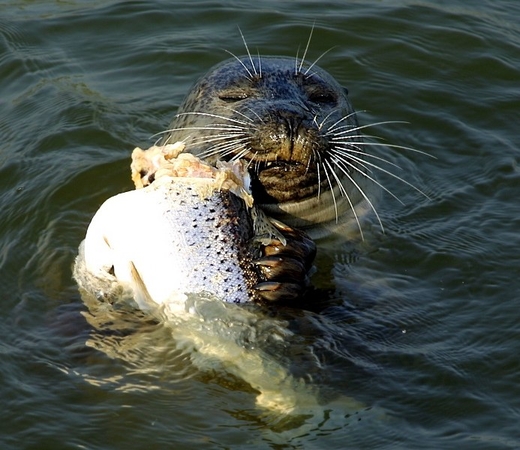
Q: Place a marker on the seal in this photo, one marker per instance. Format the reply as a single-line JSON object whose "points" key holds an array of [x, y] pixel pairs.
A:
{"points": [[295, 126]]}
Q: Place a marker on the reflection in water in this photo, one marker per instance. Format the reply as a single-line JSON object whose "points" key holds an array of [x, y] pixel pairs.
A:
{"points": [[239, 347], [242, 347], [216, 336]]}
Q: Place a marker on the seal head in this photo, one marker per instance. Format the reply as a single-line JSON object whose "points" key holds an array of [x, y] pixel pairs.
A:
{"points": [[294, 124]]}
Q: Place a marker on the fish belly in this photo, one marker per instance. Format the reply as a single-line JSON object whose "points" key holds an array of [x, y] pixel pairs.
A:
{"points": [[177, 236]]}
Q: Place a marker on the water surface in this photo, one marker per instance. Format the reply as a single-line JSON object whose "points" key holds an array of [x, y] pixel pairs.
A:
{"points": [[418, 346]]}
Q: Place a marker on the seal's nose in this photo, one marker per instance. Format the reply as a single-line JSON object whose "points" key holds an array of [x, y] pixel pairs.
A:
{"points": [[291, 109], [295, 116], [294, 134], [290, 124]]}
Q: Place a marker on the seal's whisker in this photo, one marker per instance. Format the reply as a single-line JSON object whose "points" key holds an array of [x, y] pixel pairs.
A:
{"points": [[224, 148], [377, 144], [233, 152], [248, 52], [296, 61], [216, 127], [317, 59], [350, 132], [318, 169], [217, 141], [347, 149], [168, 140], [249, 73], [351, 129], [320, 126], [221, 154], [346, 165], [249, 161], [327, 166], [358, 164], [220, 147], [201, 140], [367, 136], [224, 133], [255, 114], [316, 156], [346, 172], [216, 116], [259, 63], [345, 194], [308, 165], [305, 51], [381, 169], [257, 162], [330, 130], [241, 154], [250, 121], [310, 75], [160, 133], [164, 142]]}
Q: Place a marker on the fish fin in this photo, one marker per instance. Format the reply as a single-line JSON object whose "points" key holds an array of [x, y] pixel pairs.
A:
{"points": [[142, 296], [265, 230]]}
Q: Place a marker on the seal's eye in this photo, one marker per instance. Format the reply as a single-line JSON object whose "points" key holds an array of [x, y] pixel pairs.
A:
{"points": [[232, 95], [322, 97]]}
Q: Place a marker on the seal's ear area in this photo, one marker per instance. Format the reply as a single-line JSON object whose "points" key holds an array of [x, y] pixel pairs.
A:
{"points": [[345, 90]]}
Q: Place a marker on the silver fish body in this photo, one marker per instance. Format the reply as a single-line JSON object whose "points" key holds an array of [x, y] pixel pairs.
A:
{"points": [[174, 237]]}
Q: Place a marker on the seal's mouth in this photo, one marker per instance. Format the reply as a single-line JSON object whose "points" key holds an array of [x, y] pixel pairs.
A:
{"points": [[286, 155], [286, 171], [281, 181], [278, 165]]}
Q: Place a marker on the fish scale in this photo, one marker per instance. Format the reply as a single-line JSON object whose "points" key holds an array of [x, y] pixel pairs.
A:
{"points": [[201, 239]]}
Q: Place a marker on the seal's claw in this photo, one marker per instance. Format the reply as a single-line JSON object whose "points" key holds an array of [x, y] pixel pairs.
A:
{"points": [[274, 291], [298, 246], [299, 250], [285, 268], [277, 268]]}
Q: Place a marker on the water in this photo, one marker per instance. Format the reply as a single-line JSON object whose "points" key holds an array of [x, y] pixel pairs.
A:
{"points": [[418, 347]]}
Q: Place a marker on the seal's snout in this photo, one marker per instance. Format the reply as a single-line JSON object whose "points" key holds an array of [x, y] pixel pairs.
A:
{"points": [[294, 121], [287, 135]]}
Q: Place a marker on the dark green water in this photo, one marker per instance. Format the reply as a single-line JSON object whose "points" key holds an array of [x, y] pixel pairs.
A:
{"points": [[424, 335]]}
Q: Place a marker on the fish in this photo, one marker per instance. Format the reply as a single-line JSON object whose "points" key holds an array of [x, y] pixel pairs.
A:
{"points": [[187, 228]]}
